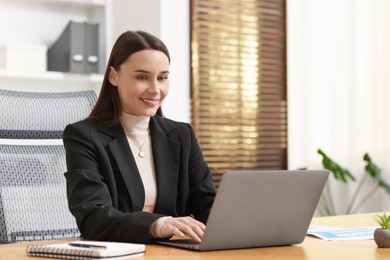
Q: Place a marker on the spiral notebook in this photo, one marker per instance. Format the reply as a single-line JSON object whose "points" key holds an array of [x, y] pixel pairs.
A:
{"points": [[85, 250]]}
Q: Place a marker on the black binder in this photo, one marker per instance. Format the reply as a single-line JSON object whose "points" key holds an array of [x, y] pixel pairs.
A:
{"points": [[76, 50], [92, 48]]}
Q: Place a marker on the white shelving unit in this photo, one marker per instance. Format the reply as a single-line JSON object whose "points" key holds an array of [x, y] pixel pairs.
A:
{"points": [[50, 80], [39, 23]]}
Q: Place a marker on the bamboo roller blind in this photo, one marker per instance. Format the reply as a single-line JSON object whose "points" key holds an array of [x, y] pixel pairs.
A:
{"points": [[238, 90]]}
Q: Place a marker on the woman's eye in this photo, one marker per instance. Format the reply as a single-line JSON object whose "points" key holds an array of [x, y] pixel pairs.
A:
{"points": [[142, 77], [163, 77]]}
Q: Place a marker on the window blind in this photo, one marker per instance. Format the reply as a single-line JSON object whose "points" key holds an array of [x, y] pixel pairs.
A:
{"points": [[238, 88]]}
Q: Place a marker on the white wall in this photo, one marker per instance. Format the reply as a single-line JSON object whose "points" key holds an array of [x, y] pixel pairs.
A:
{"points": [[338, 89], [175, 32]]}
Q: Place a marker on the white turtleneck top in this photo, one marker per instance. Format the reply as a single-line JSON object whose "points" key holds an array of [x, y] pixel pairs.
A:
{"points": [[136, 129]]}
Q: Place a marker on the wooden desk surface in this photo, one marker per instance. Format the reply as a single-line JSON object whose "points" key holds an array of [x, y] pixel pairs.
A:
{"points": [[311, 248]]}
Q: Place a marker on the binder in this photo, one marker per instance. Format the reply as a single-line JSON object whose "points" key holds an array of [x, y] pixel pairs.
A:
{"points": [[92, 48], [76, 50]]}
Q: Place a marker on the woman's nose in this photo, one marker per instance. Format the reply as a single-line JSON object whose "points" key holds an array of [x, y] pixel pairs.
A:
{"points": [[154, 87]]}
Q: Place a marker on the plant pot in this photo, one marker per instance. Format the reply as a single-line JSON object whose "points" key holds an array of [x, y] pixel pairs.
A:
{"points": [[382, 237]]}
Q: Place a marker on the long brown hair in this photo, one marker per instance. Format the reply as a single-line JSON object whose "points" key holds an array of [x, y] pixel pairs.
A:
{"points": [[107, 108]]}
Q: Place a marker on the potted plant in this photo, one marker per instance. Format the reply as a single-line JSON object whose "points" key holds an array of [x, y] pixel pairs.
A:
{"points": [[360, 196], [382, 234]]}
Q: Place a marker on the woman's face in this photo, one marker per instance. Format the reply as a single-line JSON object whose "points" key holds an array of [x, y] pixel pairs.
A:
{"points": [[142, 82]]}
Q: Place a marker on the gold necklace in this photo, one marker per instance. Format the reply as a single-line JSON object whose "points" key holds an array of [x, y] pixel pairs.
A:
{"points": [[141, 153]]}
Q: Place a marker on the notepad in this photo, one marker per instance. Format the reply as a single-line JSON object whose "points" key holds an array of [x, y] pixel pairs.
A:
{"points": [[88, 250]]}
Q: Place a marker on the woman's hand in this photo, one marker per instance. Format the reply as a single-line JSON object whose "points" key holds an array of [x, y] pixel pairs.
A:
{"points": [[183, 226]]}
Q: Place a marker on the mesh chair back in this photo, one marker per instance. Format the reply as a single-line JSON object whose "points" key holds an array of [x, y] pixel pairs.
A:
{"points": [[33, 203], [41, 115]]}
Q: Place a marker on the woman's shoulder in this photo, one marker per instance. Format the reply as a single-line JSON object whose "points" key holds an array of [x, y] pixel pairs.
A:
{"points": [[167, 123], [169, 126], [85, 123]]}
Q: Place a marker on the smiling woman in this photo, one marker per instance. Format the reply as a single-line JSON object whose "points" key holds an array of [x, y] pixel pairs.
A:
{"points": [[132, 174]]}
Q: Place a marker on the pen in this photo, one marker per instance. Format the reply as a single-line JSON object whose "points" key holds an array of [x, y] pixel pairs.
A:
{"points": [[87, 246]]}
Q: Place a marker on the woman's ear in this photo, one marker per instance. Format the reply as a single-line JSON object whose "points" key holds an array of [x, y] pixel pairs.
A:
{"points": [[112, 76]]}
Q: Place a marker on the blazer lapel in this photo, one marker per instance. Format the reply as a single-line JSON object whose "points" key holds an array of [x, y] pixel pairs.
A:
{"points": [[166, 155], [123, 157]]}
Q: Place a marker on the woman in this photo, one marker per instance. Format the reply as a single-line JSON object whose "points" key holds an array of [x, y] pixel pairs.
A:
{"points": [[132, 174]]}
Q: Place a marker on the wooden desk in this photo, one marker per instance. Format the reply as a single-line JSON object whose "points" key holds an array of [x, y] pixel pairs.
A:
{"points": [[311, 248]]}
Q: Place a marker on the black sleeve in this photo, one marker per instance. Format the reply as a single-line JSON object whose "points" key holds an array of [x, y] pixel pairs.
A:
{"points": [[202, 189]]}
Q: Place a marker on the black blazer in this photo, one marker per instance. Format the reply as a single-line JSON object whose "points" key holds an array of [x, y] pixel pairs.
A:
{"points": [[105, 190]]}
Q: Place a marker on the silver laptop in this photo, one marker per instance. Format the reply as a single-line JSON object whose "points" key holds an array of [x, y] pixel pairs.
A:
{"points": [[256, 208]]}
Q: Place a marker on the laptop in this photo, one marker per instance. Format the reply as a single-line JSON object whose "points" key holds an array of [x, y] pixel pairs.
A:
{"points": [[255, 208]]}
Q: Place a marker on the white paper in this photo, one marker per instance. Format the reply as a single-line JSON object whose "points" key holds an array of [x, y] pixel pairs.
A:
{"points": [[332, 233]]}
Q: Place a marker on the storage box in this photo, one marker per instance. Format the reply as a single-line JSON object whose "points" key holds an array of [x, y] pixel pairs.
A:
{"points": [[23, 58]]}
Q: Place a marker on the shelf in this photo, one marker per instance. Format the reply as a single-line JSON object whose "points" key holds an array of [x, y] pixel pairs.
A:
{"points": [[49, 81], [81, 2], [70, 2], [53, 75], [39, 23]]}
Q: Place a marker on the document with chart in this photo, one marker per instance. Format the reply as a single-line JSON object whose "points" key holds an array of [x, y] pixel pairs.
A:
{"points": [[333, 233]]}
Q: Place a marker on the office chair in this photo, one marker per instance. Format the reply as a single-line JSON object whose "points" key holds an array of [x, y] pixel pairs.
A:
{"points": [[33, 203]]}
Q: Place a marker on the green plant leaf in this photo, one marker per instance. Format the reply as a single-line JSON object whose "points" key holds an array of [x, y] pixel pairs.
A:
{"points": [[340, 173], [384, 185], [343, 175], [371, 167], [375, 172], [383, 220]]}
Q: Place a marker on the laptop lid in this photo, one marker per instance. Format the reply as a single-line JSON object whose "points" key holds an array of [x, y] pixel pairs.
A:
{"points": [[256, 208]]}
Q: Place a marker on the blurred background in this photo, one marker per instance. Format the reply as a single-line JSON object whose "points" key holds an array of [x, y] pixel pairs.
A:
{"points": [[265, 83]]}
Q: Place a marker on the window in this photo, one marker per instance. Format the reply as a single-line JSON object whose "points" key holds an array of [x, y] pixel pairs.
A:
{"points": [[238, 89]]}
